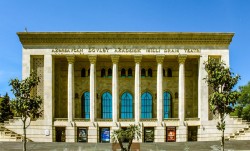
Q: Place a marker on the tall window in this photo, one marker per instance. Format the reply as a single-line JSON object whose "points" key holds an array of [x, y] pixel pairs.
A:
{"points": [[83, 72], [123, 72], [109, 72], [103, 73], [146, 105], [85, 105], [106, 105], [88, 72], [163, 71], [150, 72], [126, 106], [130, 72], [169, 72], [167, 105], [143, 72]]}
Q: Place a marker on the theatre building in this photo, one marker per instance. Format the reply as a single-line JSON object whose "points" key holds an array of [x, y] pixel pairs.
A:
{"points": [[93, 83]]}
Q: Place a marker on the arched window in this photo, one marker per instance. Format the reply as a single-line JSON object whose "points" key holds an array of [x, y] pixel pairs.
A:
{"points": [[123, 72], [103, 73], [83, 72], [106, 105], [167, 105], [169, 72], [88, 72], [163, 73], [146, 105], [85, 105], [130, 72], [150, 72], [126, 106], [109, 72], [143, 72]]}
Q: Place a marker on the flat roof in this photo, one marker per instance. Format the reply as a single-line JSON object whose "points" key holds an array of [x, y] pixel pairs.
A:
{"points": [[123, 38]]}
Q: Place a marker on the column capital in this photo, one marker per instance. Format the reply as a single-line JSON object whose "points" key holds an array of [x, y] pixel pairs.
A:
{"points": [[138, 58], [92, 58], [182, 58], [70, 58], [115, 58], [160, 58]]}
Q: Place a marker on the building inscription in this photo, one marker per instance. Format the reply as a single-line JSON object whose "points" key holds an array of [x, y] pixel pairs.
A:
{"points": [[124, 50]]}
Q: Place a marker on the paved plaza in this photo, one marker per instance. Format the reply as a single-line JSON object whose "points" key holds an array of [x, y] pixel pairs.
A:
{"points": [[177, 146]]}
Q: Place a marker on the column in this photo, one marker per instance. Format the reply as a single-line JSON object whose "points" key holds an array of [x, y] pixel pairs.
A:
{"points": [[159, 129], [70, 129], [159, 60], [92, 59], [137, 90], [181, 114], [92, 129], [181, 131], [115, 93], [202, 90], [71, 60]]}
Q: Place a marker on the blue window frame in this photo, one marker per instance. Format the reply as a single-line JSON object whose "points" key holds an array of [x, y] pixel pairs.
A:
{"points": [[106, 105], [85, 105], [167, 105], [146, 105], [126, 106]]}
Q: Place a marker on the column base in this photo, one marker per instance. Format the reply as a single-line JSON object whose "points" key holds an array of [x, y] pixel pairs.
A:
{"points": [[181, 134], [93, 133], [70, 132], [160, 132]]}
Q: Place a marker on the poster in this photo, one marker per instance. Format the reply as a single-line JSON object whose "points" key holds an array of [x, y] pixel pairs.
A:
{"points": [[105, 134], [171, 134], [82, 134], [149, 134]]}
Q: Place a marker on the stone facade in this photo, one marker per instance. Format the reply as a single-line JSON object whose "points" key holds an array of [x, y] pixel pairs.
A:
{"points": [[71, 64]]}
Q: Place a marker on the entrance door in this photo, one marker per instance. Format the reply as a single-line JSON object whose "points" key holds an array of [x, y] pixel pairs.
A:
{"points": [[192, 133], [148, 134], [60, 134]]}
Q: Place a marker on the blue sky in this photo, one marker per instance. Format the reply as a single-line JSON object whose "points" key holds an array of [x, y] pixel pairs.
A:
{"points": [[122, 15]]}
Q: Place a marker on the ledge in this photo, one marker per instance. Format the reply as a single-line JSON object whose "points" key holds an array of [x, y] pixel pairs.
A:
{"points": [[149, 120], [134, 38]]}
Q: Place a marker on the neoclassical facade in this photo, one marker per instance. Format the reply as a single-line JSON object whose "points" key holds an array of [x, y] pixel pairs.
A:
{"points": [[95, 82]]}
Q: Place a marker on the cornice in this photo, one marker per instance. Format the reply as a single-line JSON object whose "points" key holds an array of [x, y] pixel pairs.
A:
{"points": [[123, 38]]}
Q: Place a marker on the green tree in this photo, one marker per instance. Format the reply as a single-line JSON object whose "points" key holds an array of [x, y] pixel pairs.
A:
{"points": [[130, 133], [25, 104], [242, 109], [222, 98], [5, 112]]}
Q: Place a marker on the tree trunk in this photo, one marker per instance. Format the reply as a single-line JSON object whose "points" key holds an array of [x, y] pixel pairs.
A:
{"points": [[222, 141], [24, 135], [121, 145], [129, 144], [222, 129]]}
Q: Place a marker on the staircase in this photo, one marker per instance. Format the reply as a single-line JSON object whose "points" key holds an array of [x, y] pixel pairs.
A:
{"points": [[242, 133], [7, 135]]}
